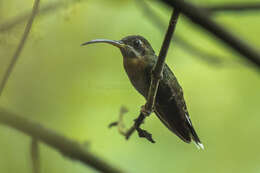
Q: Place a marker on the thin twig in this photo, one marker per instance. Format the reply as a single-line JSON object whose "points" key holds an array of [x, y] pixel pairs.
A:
{"points": [[19, 19], [156, 76], [20, 46], [200, 17], [120, 124], [211, 59], [34, 145], [35, 155], [234, 7], [67, 147]]}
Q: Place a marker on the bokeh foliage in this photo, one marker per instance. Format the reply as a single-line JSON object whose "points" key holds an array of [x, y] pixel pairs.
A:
{"points": [[78, 90]]}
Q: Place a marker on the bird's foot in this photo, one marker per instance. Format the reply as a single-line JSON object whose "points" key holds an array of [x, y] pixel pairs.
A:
{"points": [[137, 123]]}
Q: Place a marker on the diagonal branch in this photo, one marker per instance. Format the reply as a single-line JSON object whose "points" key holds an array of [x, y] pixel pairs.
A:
{"points": [[158, 22], [67, 147], [20, 46], [243, 7], [6, 26], [200, 17]]}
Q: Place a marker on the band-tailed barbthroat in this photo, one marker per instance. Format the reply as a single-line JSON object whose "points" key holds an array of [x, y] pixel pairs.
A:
{"points": [[170, 107]]}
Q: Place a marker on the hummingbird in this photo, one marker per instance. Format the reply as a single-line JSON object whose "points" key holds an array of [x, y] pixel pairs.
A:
{"points": [[139, 59]]}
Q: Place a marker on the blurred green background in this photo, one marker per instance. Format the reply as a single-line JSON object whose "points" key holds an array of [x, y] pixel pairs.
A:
{"points": [[78, 91]]}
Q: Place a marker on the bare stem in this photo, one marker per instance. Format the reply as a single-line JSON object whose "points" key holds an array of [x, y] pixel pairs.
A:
{"points": [[67, 147], [120, 124], [44, 9], [20, 46], [34, 144], [158, 68]]}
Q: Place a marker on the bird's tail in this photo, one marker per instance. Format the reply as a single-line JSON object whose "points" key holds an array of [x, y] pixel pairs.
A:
{"points": [[194, 134]]}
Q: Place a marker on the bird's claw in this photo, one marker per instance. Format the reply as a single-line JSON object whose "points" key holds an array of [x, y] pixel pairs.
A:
{"points": [[144, 111], [145, 134]]}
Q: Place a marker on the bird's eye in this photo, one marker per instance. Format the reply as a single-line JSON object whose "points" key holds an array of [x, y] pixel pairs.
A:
{"points": [[137, 43]]}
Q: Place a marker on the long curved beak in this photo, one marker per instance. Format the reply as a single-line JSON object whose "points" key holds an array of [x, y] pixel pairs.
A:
{"points": [[118, 44]]}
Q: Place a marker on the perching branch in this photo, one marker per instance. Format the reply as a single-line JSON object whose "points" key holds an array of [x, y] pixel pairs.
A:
{"points": [[243, 7], [211, 59], [200, 17], [156, 76], [157, 70], [67, 147], [20, 46]]}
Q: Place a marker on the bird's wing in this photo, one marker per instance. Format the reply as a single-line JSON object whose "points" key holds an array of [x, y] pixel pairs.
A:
{"points": [[170, 106]]}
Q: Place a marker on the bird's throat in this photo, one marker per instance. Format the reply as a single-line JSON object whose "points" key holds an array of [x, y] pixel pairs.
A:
{"points": [[135, 69], [134, 66]]}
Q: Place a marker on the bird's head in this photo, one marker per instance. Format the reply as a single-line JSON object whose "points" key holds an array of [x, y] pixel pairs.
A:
{"points": [[131, 46]]}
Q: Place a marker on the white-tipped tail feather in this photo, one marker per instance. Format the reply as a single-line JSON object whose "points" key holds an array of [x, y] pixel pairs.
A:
{"points": [[199, 145], [194, 136]]}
